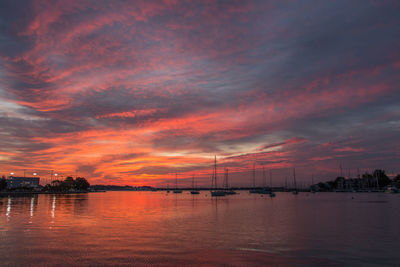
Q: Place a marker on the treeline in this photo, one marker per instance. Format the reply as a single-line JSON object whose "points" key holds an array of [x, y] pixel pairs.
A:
{"points": [[69, 184], [376, 180], [3, 183], [98, 187]]}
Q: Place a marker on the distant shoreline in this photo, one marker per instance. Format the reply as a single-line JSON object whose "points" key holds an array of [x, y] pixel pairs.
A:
{"points": [[12, 194], [3, 194]]}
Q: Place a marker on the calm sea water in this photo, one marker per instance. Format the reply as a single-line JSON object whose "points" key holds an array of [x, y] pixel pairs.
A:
{"points": [[156, 228]]}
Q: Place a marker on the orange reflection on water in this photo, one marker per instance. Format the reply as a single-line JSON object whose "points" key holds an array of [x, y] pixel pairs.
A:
{"points": [[157, 228]]}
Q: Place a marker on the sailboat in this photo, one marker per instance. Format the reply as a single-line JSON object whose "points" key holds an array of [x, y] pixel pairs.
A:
{"points": [[228, 191], [254, 190], [264, 190], [286, 183], [312, 184], [215, 192], [167, 187], [176, 190], [271, 194], [295, 192], [194, 190]]}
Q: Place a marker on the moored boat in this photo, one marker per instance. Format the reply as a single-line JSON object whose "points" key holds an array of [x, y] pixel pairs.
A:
{"points": [[215, 192], [228, 191], [194, 189], [176, 190], [254, 190], [295, 192]]}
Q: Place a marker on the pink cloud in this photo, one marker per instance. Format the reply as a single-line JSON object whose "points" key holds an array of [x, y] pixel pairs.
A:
{"points": [[291, 141], [349, 149]]}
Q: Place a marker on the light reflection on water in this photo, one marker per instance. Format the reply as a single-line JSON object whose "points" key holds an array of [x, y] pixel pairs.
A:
{"points": [[157, 228]]}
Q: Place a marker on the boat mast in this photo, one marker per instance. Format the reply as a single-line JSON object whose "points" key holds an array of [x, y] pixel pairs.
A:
{"points": [[286, 184], [214, 175], [270, 178], [226, 185], [264, 178], [254, 175], [176, 180], [215, 171], [294, 178]]}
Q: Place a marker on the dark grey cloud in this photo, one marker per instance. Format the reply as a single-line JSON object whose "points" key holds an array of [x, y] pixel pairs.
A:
{"points": [[264, 72]]}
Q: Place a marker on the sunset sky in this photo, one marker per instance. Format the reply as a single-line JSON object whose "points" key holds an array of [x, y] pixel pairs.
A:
{"points": [[132, 92]]}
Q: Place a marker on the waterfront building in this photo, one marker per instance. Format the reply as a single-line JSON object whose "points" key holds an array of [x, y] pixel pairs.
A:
{"points": [[16, 182]]}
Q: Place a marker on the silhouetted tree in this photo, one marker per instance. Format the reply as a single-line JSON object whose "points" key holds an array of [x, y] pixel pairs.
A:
{"points": [[396, 181], [367, 175], [337, 181], [55, 183], [47, 187], [3, 183], [325, 186], [81, 184], [371, 181], [69, 181], [67, 184], [54, 186], [383, 179]]}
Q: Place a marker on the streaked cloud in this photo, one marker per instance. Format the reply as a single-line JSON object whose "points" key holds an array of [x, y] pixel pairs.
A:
{"points": [[134, 92]]}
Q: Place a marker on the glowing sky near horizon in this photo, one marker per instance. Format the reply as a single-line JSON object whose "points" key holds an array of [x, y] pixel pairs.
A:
{"points": [[131, 92]]}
